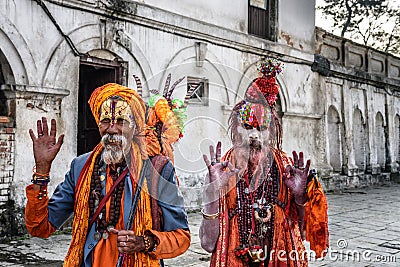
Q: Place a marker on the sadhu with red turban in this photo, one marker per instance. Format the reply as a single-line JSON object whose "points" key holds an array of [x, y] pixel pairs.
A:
{"points": [[259, 204], [100, 186]]}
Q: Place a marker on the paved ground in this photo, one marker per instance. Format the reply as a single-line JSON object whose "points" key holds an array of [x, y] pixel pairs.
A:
{"points": [[364, 227]]}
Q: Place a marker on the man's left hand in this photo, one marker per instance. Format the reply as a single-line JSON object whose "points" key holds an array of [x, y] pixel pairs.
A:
{"points": [[295, 177], [129, 243]]}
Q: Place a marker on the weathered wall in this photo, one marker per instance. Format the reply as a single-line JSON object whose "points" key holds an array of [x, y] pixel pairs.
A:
{"points": [[223, 13], [154, 42], [361, 89], [41, 76], [297, 24]]}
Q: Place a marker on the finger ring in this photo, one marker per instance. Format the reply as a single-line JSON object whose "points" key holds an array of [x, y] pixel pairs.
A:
{"points": [[40, 135], [213, 163], [301, 169], [127, 238], [224, 164]]}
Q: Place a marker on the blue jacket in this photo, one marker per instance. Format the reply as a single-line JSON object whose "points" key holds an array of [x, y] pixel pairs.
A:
{"points": [[61, 204]]}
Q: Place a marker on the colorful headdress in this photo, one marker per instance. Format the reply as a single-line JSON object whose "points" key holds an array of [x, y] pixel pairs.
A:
{"points": [[165, 119], [265, 85], [254, 111]]}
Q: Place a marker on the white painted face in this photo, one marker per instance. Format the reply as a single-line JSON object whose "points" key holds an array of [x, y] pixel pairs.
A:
{"points": [[252, 136]]}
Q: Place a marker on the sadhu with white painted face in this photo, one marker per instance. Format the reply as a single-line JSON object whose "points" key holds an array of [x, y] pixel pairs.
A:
{"points": [[116, 220], [259, 204]]}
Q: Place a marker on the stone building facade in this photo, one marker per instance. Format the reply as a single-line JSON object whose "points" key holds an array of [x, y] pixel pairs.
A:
{"points": [[339, 101], [361, 95]]}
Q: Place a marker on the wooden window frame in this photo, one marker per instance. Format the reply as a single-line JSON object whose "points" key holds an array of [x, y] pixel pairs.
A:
{"points": [[268, 16]]}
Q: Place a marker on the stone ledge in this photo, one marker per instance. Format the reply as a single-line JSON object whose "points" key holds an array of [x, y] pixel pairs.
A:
{"points": [[337, 182]]}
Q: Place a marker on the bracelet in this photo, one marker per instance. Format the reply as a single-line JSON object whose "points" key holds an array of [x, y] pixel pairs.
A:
{"points": [[39, 174], [209, 216], [40, 180]]}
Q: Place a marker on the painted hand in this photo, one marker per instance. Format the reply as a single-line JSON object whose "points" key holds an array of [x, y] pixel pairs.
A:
{"points": [[295, 177], [129, 243], [218, 172], [45, 147]]}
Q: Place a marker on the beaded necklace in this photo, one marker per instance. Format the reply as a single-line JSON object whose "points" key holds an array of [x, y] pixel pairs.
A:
{"points": [[255, 214], [96, 187]]}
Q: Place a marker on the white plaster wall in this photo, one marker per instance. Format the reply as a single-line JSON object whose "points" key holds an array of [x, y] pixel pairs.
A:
{"points": [[152, 54], [334, 95], [224, 13], [379, 100], [357, 98], [297, 23]]}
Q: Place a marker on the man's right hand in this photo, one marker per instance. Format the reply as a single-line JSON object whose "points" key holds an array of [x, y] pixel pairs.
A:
{"points": [[218, 172], [45, 148]]}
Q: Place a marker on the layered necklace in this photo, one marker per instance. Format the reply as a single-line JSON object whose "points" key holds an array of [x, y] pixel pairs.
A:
{"points": [[97, 183], [255, 212]]}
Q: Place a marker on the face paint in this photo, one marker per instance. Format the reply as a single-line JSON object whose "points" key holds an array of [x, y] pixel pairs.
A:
{"points": [[255, 115], [114, 109]]}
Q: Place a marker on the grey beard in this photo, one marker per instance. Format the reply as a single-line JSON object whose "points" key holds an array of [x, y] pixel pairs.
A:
{"points": [[114, 154]]}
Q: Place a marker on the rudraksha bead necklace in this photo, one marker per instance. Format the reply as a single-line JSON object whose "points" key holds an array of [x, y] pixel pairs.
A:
{"points": [[247, 202], [102, 225]]}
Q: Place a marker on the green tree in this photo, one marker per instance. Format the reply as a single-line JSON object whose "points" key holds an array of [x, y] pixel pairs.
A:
{"points": [[371, 22]]}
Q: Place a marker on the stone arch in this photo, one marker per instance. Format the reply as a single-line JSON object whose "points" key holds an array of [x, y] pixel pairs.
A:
{"points": [[334, 139], [359, 139], [380, 140], [206, 129], [183, 63], [250, 74], [87, 38], [21, 60]]}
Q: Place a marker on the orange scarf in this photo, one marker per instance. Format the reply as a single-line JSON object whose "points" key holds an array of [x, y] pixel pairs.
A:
{"points": [[142, 221]]}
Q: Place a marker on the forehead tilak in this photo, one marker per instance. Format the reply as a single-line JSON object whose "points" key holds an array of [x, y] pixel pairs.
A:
{"points": [[114, 108]]}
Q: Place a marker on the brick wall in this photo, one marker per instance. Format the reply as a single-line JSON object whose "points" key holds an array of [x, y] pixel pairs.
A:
{"points": [[7, 142], [7, 147]]}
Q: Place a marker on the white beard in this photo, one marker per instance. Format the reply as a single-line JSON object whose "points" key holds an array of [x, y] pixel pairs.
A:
{"points": [[115, 148]]}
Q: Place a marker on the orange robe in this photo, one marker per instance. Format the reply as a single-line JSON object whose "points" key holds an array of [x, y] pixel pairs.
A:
{"points": [[170, 243], [287, 246]]}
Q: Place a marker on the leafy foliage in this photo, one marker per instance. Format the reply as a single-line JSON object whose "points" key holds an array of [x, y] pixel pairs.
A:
{"points": [[372, 22]]}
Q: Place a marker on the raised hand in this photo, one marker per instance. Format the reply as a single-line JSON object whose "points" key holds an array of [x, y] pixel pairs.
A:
{"points": [[45, 147], [295, 177], [218, 172]]}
